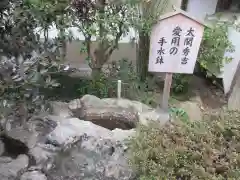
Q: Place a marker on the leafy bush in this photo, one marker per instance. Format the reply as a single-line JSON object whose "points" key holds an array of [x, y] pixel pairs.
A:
{"points": [[100, 87], [201, 150], [26, 63], [106, 84], [214, 44]]}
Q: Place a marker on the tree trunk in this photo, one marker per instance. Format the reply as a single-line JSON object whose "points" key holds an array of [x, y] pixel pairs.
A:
{"points": [[63, 47], [143, 55], [96, 73]]}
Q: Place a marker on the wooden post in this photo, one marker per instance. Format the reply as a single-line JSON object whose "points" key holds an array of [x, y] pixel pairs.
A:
{"points": [[166, 91]]}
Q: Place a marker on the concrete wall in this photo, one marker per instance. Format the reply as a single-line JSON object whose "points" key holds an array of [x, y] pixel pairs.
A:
{"points": [[76, 59], [201, 8], [230, 69]]}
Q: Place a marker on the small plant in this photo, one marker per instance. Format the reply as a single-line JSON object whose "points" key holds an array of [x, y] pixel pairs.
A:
{"points": [[180, 114], [98, 87], [200, 150], [180, 83]]}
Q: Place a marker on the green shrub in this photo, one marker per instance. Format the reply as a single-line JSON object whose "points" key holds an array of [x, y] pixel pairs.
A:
{"points": [[214, 44], [180, 83], [102, 87], [132, 87], [202, 150]]}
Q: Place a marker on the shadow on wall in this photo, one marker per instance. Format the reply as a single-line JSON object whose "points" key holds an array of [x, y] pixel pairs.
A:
{"points": [[76, 58]]}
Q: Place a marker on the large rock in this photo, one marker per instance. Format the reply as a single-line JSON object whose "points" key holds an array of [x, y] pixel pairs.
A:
{"points": [[33, 175], [65, 147], [91, 152], [35, 131], [60, 109], [91, 101], [114, 113], [72, 129], [24, 135], [108, 113], [126, 103], [44, 155], [75, 104], [111, 117], [11, 169]]}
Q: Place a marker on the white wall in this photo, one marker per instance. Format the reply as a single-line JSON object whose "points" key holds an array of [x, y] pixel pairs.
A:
{"points": [[201, 8], [230, 69], [76, 34]]}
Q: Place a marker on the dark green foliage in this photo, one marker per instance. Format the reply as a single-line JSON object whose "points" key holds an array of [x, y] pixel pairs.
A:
{"points": [[201, 150], [132, 87], [26, 62], [180, 83]]}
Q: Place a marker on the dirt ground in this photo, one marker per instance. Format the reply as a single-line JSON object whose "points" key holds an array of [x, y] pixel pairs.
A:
{"points": [[211, 96], [207, 95]]}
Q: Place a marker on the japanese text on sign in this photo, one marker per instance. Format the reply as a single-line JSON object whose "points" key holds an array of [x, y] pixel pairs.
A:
{"points": [[188, 41], [174, 43], [175, 40], [160, 51]]}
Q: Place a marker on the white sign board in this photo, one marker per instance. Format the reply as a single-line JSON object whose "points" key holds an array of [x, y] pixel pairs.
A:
{"points": [[174, 44]]}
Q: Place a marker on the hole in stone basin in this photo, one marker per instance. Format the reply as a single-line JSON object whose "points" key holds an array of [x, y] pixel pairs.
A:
{"points": [[13, 147], [111, 117], [112, 124]]}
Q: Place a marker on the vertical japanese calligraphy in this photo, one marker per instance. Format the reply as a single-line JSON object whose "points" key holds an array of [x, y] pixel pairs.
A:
{"points": [[176, 33], [188, 41], [160, 51]]}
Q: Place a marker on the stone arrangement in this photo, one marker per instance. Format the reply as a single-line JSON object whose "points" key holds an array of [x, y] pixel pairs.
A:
{"points": [[84, 139]]}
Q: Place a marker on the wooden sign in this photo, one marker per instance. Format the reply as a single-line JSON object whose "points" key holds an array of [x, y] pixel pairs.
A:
{"points": [[174, 43]]}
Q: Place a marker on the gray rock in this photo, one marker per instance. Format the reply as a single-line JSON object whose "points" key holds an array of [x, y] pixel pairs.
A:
{"points": [[43, 153], [126, 103], [71, 130], [42, 126], [91, 152], [33, 175], [69, 148], [24, 135], [121, 135], [35, 131], [75, 104], [10, 170], [60, 109], [55, 119], [111, 117], [92, 101]]}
